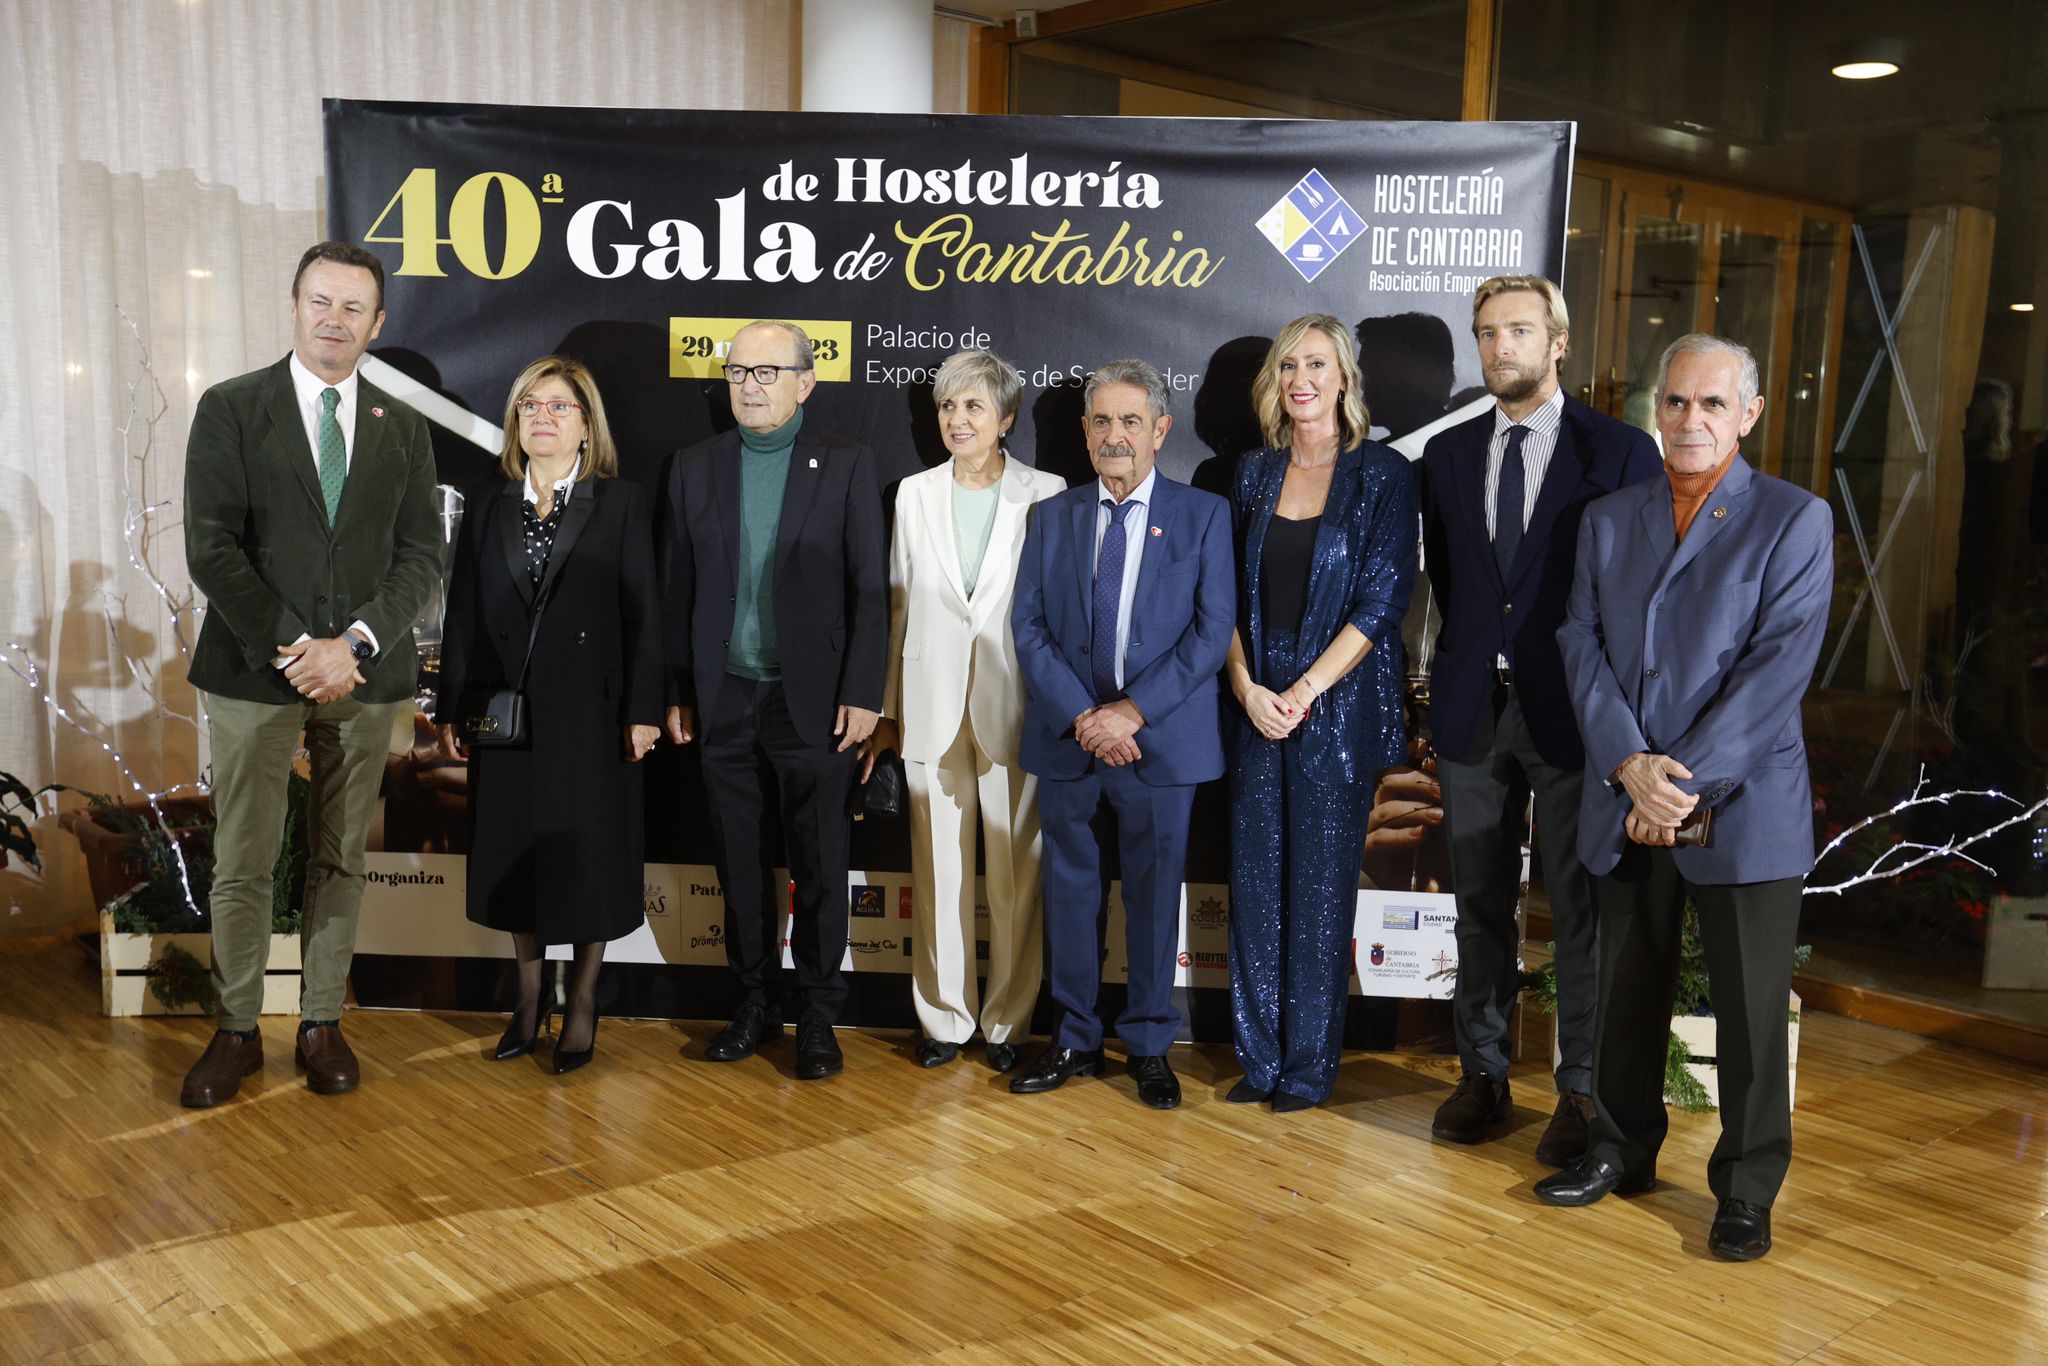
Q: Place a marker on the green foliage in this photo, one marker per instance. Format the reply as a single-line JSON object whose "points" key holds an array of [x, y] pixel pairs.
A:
{"points": [[177, 980], [1680, 1086], [1692, 997], [15, 840], [160, 905]]}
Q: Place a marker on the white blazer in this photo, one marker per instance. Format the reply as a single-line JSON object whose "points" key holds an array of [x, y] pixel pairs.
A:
{"points": [[948, 655]]}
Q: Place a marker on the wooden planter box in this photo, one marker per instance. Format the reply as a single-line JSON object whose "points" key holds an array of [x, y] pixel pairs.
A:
{"points": [[1698, 1032], [125, 961], [111, 863]]}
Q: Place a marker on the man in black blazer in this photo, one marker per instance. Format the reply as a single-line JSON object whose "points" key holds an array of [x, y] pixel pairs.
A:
{"points": [[310, 527], [775, 628], [1501, 499]]}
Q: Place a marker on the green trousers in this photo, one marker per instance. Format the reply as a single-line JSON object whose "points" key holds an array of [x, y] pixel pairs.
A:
{"points": [[253, 747]]}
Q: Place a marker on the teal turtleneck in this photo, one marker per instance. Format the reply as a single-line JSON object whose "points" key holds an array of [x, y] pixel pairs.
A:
{"points": [[764, 474]]}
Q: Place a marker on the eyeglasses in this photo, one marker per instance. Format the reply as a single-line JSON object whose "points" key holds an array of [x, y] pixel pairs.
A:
{"points": [[764, 375], [557, 407]]}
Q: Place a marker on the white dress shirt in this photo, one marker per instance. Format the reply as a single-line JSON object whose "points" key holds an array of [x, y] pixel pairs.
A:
{"points": [[1537, 448], [1136, 522]]}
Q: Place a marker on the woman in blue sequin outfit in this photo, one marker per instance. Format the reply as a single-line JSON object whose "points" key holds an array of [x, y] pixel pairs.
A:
{"points": [[1327, 535]]}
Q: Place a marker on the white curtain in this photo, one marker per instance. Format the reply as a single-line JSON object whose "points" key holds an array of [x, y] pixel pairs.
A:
{"points": [[162, 161]]}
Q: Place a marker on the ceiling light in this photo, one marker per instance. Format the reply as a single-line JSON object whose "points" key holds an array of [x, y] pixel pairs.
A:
{"points": [[1869, 59], [2022, 308], [200, 273]]}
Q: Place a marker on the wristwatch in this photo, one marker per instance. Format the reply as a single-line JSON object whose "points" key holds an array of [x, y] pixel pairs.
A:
{"points": [[360, 648]]}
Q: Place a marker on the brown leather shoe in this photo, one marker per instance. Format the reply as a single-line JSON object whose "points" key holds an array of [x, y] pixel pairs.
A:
{"points": [[1570, 1130], [218, 1074], [331, 1066], [1479, 1109]]}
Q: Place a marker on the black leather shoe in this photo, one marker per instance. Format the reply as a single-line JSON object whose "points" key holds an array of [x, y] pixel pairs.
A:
{"points": [[1244, 1093], [1287, 1103], [740, 1038], [1002, 1056], [511, 1046], [1569, 1132], [817, 1052], [1589, 1179], [1479, 1108], [1051, 1069], [1741, 1232], [935, 1053], [1157, 1086]]}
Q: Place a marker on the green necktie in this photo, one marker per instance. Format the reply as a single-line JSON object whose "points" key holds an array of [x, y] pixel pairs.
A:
{"points": [[333, 454]]}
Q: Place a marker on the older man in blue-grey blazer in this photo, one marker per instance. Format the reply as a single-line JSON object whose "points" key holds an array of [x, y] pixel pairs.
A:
{"points": [[1696, 616], [1124, 607]]}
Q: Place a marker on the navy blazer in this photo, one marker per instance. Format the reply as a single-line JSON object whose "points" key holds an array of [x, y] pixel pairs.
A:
{"points": [[1181, 620], [1360, 573], [1701, 649], [1484, 616]]}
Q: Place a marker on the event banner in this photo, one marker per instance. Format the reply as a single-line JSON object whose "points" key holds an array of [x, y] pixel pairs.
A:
{"points": [[639, 241]]}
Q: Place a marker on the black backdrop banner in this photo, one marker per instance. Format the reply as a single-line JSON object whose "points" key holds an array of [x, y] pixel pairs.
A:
{"points": [[638, 241]]}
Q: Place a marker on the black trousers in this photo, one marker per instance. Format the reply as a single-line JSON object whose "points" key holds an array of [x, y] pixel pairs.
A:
{"points": [[763, 779], [1484, 804], [1747, 931]]}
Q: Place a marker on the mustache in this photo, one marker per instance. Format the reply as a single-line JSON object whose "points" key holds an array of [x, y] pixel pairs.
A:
{"points": [[1118, 450]]}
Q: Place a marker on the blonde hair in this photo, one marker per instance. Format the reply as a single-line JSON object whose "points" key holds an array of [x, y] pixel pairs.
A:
{"points": [[1557, 320], [1353, 420], [600, 458]]}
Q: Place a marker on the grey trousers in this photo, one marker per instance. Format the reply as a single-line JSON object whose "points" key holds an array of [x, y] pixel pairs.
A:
{"points": [[253, 745], [1484, 801]]}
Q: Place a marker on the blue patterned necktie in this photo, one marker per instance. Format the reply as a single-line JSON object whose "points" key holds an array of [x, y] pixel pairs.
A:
{"points": [[1507, 502], [333, 454], [1109, 596]]}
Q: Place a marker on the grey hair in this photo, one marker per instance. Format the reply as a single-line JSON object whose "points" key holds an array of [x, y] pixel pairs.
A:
{"points": [[1706, 344], [983, 370], [1134, 372], [805, 354]]}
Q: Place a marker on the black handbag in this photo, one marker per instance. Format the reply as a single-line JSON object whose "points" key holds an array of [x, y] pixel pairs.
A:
{"points": [[495, 718], [882, 794]]}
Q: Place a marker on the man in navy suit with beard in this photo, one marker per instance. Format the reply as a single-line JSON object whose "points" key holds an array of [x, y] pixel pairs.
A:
{"points": [[1501, 499]]}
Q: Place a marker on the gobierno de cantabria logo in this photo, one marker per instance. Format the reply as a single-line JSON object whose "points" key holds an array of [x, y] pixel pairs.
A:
{"points": [[1311, 225]]}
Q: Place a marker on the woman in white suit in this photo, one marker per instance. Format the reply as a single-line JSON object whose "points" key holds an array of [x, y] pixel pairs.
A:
{"points": [[955, 707]]}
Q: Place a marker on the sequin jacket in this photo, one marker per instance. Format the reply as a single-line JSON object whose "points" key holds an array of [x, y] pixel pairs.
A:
{"points": [[1360, 574]]}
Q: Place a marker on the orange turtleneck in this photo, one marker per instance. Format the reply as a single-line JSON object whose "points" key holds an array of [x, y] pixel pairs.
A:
{"points": [[1689, 491]]}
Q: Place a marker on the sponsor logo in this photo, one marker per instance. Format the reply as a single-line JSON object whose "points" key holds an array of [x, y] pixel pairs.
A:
{"points": [[1311, 225], [871, 945], [1379, 955], [1437, 919], [704, 889], [1399, 917], [867, 901], [1185, 959], [1444, 962], [405, 879], [903, 903], [1213, 962], [1209, 914], [653, 899], [712, 938]]}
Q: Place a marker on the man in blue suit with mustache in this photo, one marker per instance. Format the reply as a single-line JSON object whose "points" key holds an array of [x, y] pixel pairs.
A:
{"points": [[1696, 616], [1125, 602]]}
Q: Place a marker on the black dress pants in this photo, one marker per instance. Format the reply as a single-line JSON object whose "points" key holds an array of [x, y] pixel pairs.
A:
{"points": [[762, 779], [1747, 932]]}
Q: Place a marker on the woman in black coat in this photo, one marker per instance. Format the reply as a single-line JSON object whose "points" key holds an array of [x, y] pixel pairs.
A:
{"points": [[555, 828]]}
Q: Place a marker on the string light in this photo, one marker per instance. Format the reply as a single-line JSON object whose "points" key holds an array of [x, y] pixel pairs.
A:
{"points": [[1912, 853]]}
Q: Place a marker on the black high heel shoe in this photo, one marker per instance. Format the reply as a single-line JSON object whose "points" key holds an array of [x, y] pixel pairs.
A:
{"points": [[511, 1046], [566, 1061]]}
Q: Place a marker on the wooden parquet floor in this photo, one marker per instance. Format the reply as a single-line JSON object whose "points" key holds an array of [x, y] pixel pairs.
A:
{"points": [[658, 1208]]}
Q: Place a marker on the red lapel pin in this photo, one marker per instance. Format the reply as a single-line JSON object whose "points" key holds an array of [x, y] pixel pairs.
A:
{"points": [[376, 412], [1157, 531]]}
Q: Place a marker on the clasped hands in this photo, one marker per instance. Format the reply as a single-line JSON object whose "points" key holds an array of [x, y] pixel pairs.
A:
{"points": [[1659, 803], [322, 670], [1274, 715], [1109, 732]]}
